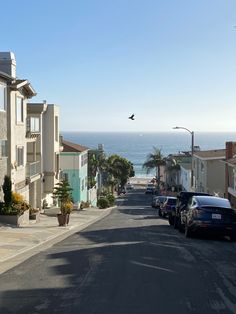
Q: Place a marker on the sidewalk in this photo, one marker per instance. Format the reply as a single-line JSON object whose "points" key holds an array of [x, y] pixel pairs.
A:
{"points": [[18, 244]]}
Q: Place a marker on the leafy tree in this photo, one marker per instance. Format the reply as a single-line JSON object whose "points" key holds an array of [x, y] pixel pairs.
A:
{"points": [[62, 191], [154, 161], [119, 169]]}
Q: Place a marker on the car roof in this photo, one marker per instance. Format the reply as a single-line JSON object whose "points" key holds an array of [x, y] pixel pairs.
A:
{"points": [[189, 194], [212, 201]]}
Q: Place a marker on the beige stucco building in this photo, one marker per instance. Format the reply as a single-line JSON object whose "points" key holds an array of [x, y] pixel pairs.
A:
{"points": [[43, 150], [19, 91], [209, 172]]}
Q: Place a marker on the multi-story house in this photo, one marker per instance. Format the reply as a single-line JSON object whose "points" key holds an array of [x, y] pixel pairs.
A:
{"points": [[5, 80], [175, 175], [18, 92], [185, 176], [230, 172], [74, 165], [43, 148], [209, 172]]}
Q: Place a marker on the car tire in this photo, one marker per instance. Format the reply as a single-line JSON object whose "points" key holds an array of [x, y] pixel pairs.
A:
{"points": [[187, 232], [180, 227], [170, 219], [175, 223], [233, 237]]}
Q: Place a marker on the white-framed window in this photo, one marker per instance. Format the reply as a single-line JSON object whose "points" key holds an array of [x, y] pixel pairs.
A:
{"points": [[19, 110], [34, 124], [3, 144], [3, 96], [20, 155]]}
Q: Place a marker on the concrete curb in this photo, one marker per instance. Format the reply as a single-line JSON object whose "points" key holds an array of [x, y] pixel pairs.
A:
{"points": [[28, 252]]}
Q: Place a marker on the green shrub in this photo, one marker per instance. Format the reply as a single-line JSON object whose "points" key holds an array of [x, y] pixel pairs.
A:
{"points": [[111, 199], [103, 202], [84, 205]]}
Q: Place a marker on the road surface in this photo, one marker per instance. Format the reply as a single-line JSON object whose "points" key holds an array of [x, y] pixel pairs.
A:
{"points": [[130, 262]]}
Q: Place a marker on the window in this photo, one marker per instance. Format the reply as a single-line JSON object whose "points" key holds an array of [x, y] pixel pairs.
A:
{"points": [[19, 109], [3, 144], [3, 96], [34, 124], [84, 159], [65, 176], [20, 156]]}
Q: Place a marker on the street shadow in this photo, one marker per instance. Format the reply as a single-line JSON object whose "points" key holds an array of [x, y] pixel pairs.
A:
{"points": [[103, 271]]}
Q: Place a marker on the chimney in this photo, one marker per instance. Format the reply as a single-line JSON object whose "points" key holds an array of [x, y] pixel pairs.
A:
{"points": [[8, 63], [230, 150]]}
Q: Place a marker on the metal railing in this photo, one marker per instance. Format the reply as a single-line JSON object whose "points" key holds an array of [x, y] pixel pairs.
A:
{"points": [[33, 168]]}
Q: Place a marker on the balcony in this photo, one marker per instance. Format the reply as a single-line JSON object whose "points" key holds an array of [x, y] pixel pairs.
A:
{"points": [[32, 128], [33, 169]]}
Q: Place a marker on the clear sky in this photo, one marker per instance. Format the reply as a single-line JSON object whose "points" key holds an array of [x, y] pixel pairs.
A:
{"points": [[171, 62]]}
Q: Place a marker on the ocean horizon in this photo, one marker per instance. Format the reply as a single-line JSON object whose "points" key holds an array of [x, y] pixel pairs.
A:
{"points": [[135, 146]]}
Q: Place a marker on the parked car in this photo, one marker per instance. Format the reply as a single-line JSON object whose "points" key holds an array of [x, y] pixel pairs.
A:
{"points": [[168, 206], [129, 187], [210, 214], [183, 200], [157, 201], [150, 189]]}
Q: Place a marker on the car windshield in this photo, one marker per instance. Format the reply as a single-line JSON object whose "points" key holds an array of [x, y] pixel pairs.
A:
{"points": [[172, 201]]}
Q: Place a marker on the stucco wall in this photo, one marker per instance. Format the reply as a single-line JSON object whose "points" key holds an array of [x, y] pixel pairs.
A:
{"points": [[3, 160], [215, 177]]}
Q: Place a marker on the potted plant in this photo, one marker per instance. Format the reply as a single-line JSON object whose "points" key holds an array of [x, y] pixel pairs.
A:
{"points": [[62, 192], [14, 210]]}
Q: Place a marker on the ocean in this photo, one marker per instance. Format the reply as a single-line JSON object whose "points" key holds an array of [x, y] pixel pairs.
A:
{"points": [[136, 146]]}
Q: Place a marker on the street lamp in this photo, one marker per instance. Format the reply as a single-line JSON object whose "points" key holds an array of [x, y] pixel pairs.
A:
{"points": [[192, 148]]}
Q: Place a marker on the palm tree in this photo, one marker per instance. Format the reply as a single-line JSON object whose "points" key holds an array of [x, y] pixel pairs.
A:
{"points": [[154, 161]]}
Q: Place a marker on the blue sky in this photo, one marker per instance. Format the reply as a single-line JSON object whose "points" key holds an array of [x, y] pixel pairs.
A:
{"points": [[171, 62]]}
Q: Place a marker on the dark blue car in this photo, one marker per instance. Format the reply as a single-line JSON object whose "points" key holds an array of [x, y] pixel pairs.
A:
{"points": [[210, 214]]}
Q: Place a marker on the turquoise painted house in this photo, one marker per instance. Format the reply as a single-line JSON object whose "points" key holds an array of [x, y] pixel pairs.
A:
{"points": [[74, 166]]}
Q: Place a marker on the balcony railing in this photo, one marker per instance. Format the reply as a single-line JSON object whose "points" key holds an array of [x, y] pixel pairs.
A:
{"points": [[33, 169]]}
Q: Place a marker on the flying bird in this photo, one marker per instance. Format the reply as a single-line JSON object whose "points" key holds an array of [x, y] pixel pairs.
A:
{"points": [[131, 117]]}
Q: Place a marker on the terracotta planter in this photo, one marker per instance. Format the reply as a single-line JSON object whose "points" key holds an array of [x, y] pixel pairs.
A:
{"points": [[63, 219]]}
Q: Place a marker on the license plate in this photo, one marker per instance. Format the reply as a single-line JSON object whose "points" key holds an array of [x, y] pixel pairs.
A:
{"points": [[216, 216]]}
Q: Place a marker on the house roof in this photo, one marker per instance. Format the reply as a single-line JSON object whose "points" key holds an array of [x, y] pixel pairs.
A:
{"points": [[36, 107], [6, 76], [186, 165], [211, 154], [24, 84], [69, 147]]}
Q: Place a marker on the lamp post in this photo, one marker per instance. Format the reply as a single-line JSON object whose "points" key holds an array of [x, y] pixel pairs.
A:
{"points": [[192, 148]]}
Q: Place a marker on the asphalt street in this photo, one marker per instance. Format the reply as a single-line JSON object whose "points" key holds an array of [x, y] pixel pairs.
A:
{"points": [[130, 262]]}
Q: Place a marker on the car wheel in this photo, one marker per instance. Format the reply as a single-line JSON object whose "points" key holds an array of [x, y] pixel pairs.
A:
{"points": [[187, 232], [180, 227], [233, 237], [175, 223], [170, 219]]}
